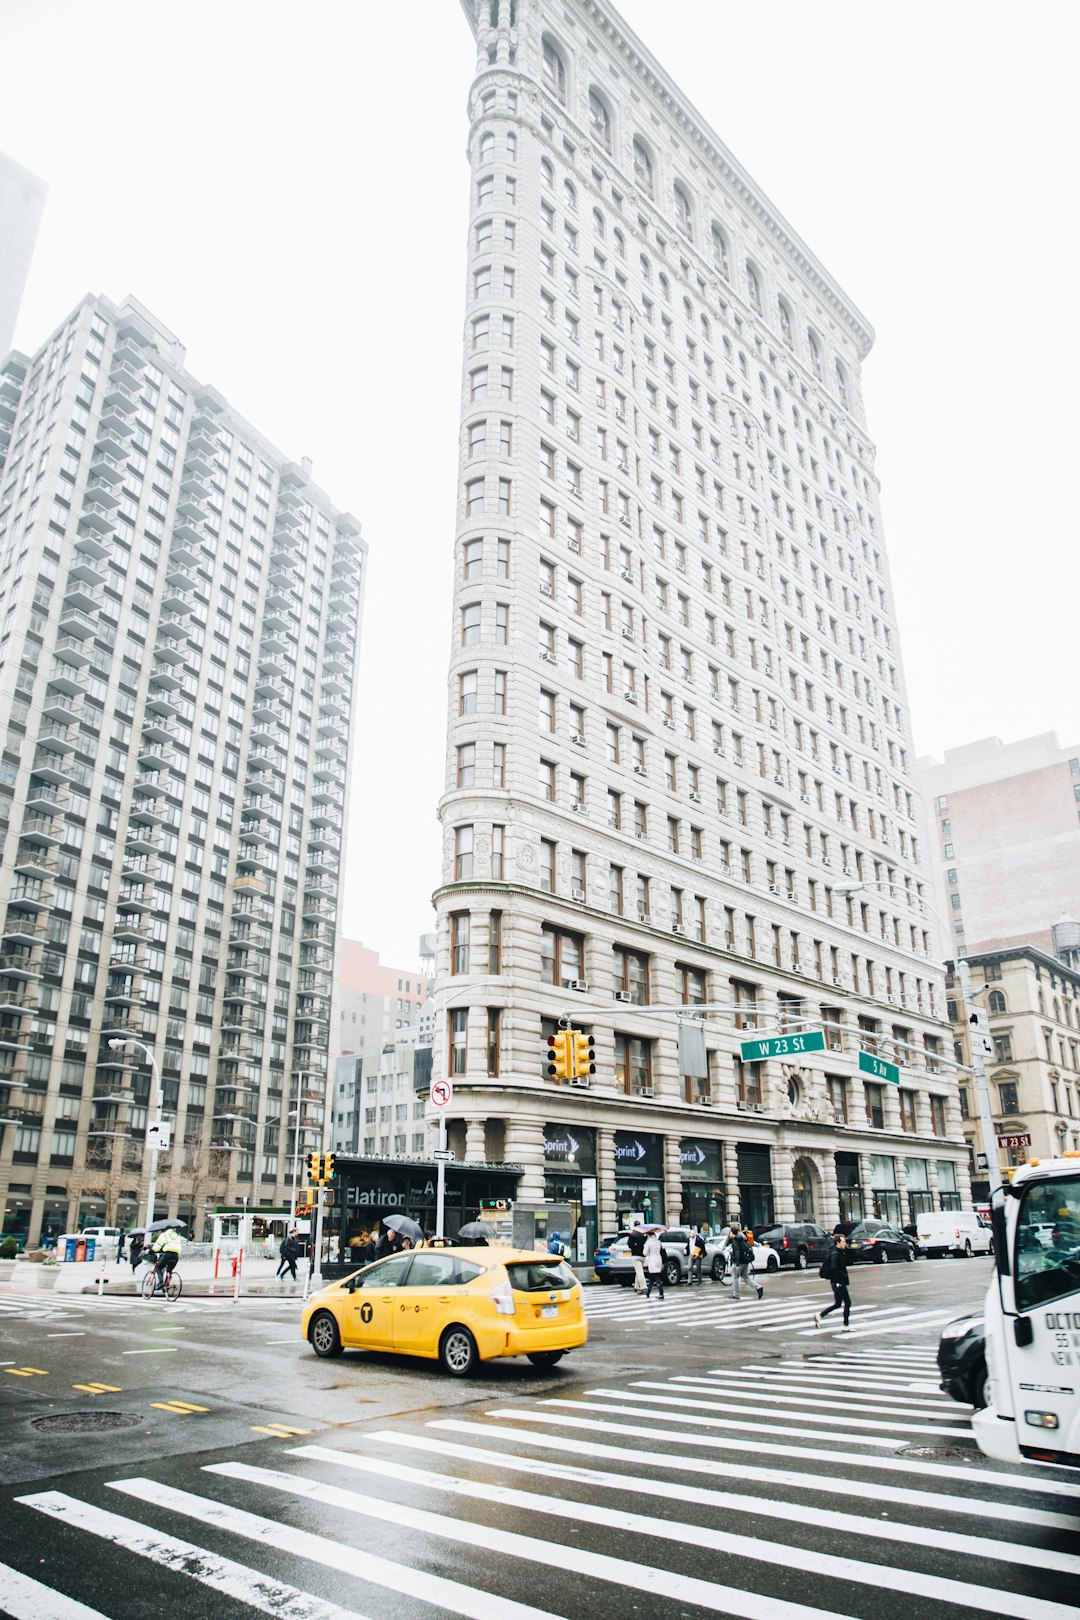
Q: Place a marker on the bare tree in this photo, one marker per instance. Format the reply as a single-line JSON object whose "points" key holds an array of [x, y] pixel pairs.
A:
{"points": [[198, 1179]]}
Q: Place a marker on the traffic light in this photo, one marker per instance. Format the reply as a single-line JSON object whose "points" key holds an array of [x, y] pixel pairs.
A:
{"points": [[560, 1055], [584, 1058], [328, 1167], [315, 1168]]}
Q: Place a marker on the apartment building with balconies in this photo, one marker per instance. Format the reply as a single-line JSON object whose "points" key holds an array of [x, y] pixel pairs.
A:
{"points": [[679, 805], [181, 607]]}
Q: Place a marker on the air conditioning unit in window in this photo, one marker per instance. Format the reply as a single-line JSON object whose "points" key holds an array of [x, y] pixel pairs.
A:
{"points": [[740, 1104], [778, 779], [580, 1080], [575, 984], [630, 697], [624, 519], [624, 466], [628, 634], [574, 545], [774, 725], [620, 416], [792, 894], [578, 740], [706, 1102], [548, 657], [839, 983], [622, 995], [627, 574], [677, 928], [839, 1119], [580, 808], [804, 798], [669, 724], [755, 1108], [643, 916], [825, 860], [577, 894], [774, 888], [545, 588], [639, 770], [721, 753]]}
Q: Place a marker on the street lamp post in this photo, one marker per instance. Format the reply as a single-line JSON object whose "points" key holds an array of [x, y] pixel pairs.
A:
{"points": [[978, 1040], [155, 1127]]}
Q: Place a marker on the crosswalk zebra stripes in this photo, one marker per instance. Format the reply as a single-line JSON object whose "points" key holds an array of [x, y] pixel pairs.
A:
{"points": [[787, 1313], [704, 1490]]}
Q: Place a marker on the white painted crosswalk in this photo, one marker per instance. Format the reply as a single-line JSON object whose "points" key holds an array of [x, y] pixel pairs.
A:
{"points": [[697, 1491], [711, 1307]]}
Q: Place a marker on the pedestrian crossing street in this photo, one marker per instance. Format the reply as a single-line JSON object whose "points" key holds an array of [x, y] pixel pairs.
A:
{"points": [[811, 1485], [789, 1314]]}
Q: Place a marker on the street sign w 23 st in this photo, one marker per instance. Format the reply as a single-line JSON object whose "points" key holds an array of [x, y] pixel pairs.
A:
{"points": [[813, 1040]]}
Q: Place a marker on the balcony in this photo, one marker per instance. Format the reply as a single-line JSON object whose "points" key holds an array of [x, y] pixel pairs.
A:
{"points": [[109, 444], [32, 894], [18, 964], [33, 862], [170, 651], [106, 465], [42, 830], [96, 518], [69, 649]]}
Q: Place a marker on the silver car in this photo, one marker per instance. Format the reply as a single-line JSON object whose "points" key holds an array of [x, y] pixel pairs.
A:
{"points": [[673, 1241]]}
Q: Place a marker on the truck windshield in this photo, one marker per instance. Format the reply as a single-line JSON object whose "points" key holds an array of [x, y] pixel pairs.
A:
{"points": [[1048, 1242]]}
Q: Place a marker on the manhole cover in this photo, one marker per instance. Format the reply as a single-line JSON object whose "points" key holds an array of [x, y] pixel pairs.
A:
{"points": [[939, 1451], [83, 1422]]}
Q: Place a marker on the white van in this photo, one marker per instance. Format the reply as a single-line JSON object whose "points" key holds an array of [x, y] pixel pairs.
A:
{"points": [[953, 1231]]}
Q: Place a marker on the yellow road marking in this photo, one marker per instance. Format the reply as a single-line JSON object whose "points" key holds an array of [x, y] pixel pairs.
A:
{"points": [[26, 1372], [280, 1431], [98, 1389], [181, 1408]]}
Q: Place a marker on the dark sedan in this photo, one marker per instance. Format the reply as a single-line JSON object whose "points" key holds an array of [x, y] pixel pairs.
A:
{"points": [[872, 1241], [961, 1360]]}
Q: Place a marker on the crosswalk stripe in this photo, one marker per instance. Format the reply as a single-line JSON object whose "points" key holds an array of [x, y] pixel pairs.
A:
{"points": [[893, 1315], [763, 1507], [642, 1578], [831, 1566], [766, 1448], [798, 1375], [926, 1318], [763, 1390], [803, 1417], [819, 1484], [26, 1599], [233, 1580], [364, 1565]]}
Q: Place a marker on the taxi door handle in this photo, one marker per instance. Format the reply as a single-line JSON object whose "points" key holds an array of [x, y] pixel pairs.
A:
{"points": [[443, 1299]]}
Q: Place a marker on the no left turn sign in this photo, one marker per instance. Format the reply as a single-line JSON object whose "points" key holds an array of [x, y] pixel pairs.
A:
{"points": [[441, 1092]]}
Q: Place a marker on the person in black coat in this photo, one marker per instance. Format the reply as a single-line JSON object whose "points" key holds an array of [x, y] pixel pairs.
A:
{"points": [[835, 1271], [136, 1250]]}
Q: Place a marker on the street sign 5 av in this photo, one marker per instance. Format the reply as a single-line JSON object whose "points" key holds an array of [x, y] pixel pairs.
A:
{"points": [[812, 1040], [869, 1064]]}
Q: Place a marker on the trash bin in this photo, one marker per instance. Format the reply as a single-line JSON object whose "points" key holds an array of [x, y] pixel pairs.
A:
{"points": [[80, 1248], [91, 1244], [69, 1248]]}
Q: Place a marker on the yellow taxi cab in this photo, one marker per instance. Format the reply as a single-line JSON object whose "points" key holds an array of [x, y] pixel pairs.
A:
{"points": [[457, 1306]]}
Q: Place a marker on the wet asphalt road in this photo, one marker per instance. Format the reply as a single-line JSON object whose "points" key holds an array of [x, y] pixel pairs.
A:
{"points": [[698, 1456]]}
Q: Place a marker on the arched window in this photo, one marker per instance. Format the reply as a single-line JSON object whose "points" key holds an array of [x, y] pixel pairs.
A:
{"points": [[643, 168], [665, 290], [719, 250], [997, 1002], [753, 286], [599, 121], [570, 195], [785, 324], [487, 147], [554, 72], [684, 214], [706, 329], [646, 268], [547, 173], [815, 352], [620, 245], [598, 223], [841, 384]]}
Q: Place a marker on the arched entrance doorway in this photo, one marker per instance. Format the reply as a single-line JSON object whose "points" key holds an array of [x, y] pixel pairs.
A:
{"points": [[807, 1184]]}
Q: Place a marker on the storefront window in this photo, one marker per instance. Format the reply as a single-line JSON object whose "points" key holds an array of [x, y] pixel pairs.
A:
{"points": [[948, 1193], [755, 1186], [639, 1176]]}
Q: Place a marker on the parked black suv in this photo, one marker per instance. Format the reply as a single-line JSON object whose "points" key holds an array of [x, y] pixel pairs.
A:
{"points": [[799, 1243]]}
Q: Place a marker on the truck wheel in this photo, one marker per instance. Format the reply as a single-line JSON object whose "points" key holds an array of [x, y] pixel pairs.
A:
{"points": [[967, 1249]]}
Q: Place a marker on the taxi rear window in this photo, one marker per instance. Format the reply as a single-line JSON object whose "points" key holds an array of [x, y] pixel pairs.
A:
{"points": [[534, 1276]]}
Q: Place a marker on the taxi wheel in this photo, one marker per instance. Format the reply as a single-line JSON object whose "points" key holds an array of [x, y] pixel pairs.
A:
{"points": [[324, 1335], [546, 1358], [457, 1351]]}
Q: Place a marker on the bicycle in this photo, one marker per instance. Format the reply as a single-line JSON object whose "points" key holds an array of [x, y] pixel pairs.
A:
{"points": [[170, 1286]]}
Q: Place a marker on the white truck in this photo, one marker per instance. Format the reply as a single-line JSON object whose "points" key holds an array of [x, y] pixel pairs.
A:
{"points": [[1033, 1319]]}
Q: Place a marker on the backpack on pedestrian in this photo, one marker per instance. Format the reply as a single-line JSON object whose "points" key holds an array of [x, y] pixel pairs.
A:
{"points": [[741, 1252]]}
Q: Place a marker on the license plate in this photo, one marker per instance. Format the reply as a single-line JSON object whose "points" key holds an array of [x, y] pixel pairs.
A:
{"points": [[549, 1310]]}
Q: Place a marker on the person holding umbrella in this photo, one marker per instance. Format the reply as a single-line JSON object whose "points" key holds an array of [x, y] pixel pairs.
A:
{"points": [[137, 1244], [476, 1234]]}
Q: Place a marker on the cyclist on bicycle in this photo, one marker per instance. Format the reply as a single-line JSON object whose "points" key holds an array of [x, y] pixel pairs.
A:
{"points": [[167, 1246]]}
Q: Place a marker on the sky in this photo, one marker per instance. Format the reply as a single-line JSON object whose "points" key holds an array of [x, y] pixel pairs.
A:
{"points": [[286, 188]]}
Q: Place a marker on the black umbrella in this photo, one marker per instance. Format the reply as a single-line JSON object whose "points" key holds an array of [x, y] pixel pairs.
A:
{"points": [[476, 1229], [405, 1225]]}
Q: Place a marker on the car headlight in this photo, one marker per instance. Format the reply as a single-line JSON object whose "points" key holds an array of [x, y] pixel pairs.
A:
{"points": [[957, 1330]]}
